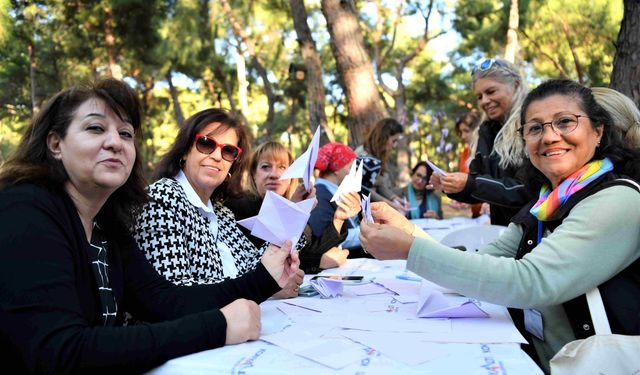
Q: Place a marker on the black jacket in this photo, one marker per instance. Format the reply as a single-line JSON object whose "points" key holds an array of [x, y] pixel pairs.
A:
{"points": [[488, 182], [49, 303], [620, 294]]}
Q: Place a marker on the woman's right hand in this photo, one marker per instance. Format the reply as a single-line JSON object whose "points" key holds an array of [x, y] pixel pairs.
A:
{"points": [[281, 263], [435, 183], [243, 321], [334, 257], [383, 214]]}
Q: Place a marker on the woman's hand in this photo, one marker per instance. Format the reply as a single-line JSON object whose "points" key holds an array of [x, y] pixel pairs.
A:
{"points": [[348, 206], [243, 321], [334, 257], [384, 214], [281, 263], [453, 182], [458, 205], [293, 286], [385, 241], [435, 182], [301, 194], [430, 214]]}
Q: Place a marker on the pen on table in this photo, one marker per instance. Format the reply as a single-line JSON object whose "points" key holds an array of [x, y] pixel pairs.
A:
{"points": [[406, 276]]}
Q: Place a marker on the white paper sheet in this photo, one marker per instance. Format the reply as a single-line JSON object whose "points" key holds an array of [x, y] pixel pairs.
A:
{"points": [[303, 166]]}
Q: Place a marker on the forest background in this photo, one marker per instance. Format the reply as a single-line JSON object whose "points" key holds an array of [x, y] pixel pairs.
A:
{"points": [[285, 67]]}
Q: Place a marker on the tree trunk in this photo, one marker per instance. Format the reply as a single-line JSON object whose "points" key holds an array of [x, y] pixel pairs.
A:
{"points": [[315, 86], [241, 75], [239, 32], [511, 49], [574, 53], [177, 110], [354, 67], [32, 78], [626, 64], [271, 96], [110, 44]]}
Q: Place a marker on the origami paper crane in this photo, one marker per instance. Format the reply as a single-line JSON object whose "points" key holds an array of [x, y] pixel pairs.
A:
{"points": [[351, 182], [303, 166], [436, 169], [327, 287], [433, 304], [279, 219], [365, 204]]}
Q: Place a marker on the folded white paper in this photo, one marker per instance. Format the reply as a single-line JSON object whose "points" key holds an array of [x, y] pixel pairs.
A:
{"points": [[365, 204], [351, 182], [303, 166], [327, 287], [279, 219], [436, 169], [433, 304]]}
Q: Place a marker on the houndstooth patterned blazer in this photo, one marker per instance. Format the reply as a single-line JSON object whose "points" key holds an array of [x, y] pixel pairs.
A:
{"points": [[177, 241]]}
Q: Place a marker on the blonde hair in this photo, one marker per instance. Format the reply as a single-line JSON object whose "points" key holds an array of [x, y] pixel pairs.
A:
{"points": [[268, 151], [623, 111], [508, 143]]}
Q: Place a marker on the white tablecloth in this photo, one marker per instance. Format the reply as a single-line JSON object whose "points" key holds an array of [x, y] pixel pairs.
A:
{"points": [[317, 345]]}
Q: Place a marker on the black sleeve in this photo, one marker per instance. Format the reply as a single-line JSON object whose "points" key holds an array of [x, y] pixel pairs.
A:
{"points": [[153, 298], [487, 182], [310, 255], [47, 300]]}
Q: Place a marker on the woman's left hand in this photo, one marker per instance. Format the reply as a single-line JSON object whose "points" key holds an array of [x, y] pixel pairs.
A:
{"points": [[281, 263], [385, 241], [293, 286], [348, 206], [453, 182]]}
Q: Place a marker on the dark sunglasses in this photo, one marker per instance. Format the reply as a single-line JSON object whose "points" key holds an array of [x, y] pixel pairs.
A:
{"points": [[207, 145], [486, 64]]}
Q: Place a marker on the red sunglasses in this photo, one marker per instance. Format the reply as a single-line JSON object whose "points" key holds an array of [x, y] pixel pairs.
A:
{"points": [[207, 145]]}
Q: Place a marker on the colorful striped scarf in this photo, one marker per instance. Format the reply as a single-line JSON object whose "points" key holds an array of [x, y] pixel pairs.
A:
{"points": [[550, 201]]}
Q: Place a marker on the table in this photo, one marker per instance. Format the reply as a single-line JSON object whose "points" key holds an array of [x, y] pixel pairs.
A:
{"points": [[311, 342], [440, 228]]}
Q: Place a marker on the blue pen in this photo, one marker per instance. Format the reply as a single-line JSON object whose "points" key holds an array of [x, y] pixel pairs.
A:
{"points": [[406, 276]]}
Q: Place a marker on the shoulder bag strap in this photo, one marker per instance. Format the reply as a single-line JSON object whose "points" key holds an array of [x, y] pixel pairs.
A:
{"points": [[598, 314]]}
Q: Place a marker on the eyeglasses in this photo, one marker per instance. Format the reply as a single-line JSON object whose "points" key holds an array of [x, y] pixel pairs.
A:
{"points": [[562, 125], [207, 145], [421, 177], [486, 64]]}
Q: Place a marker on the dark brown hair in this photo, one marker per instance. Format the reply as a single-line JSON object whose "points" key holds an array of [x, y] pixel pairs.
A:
{"points": [[471, 119], [32, 161], [378, 136]]}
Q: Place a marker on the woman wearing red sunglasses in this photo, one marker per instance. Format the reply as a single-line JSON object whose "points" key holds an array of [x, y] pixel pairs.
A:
{"points": [[185, 230]]}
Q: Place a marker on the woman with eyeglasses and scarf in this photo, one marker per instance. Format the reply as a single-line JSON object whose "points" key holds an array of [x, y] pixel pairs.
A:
{"points": [[421, 202], [579, 232], [185, 230], [500, 90]]}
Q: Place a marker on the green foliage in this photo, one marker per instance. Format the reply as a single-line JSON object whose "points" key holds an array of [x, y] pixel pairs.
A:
{"points": [[193, 39], [551, 27]]}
